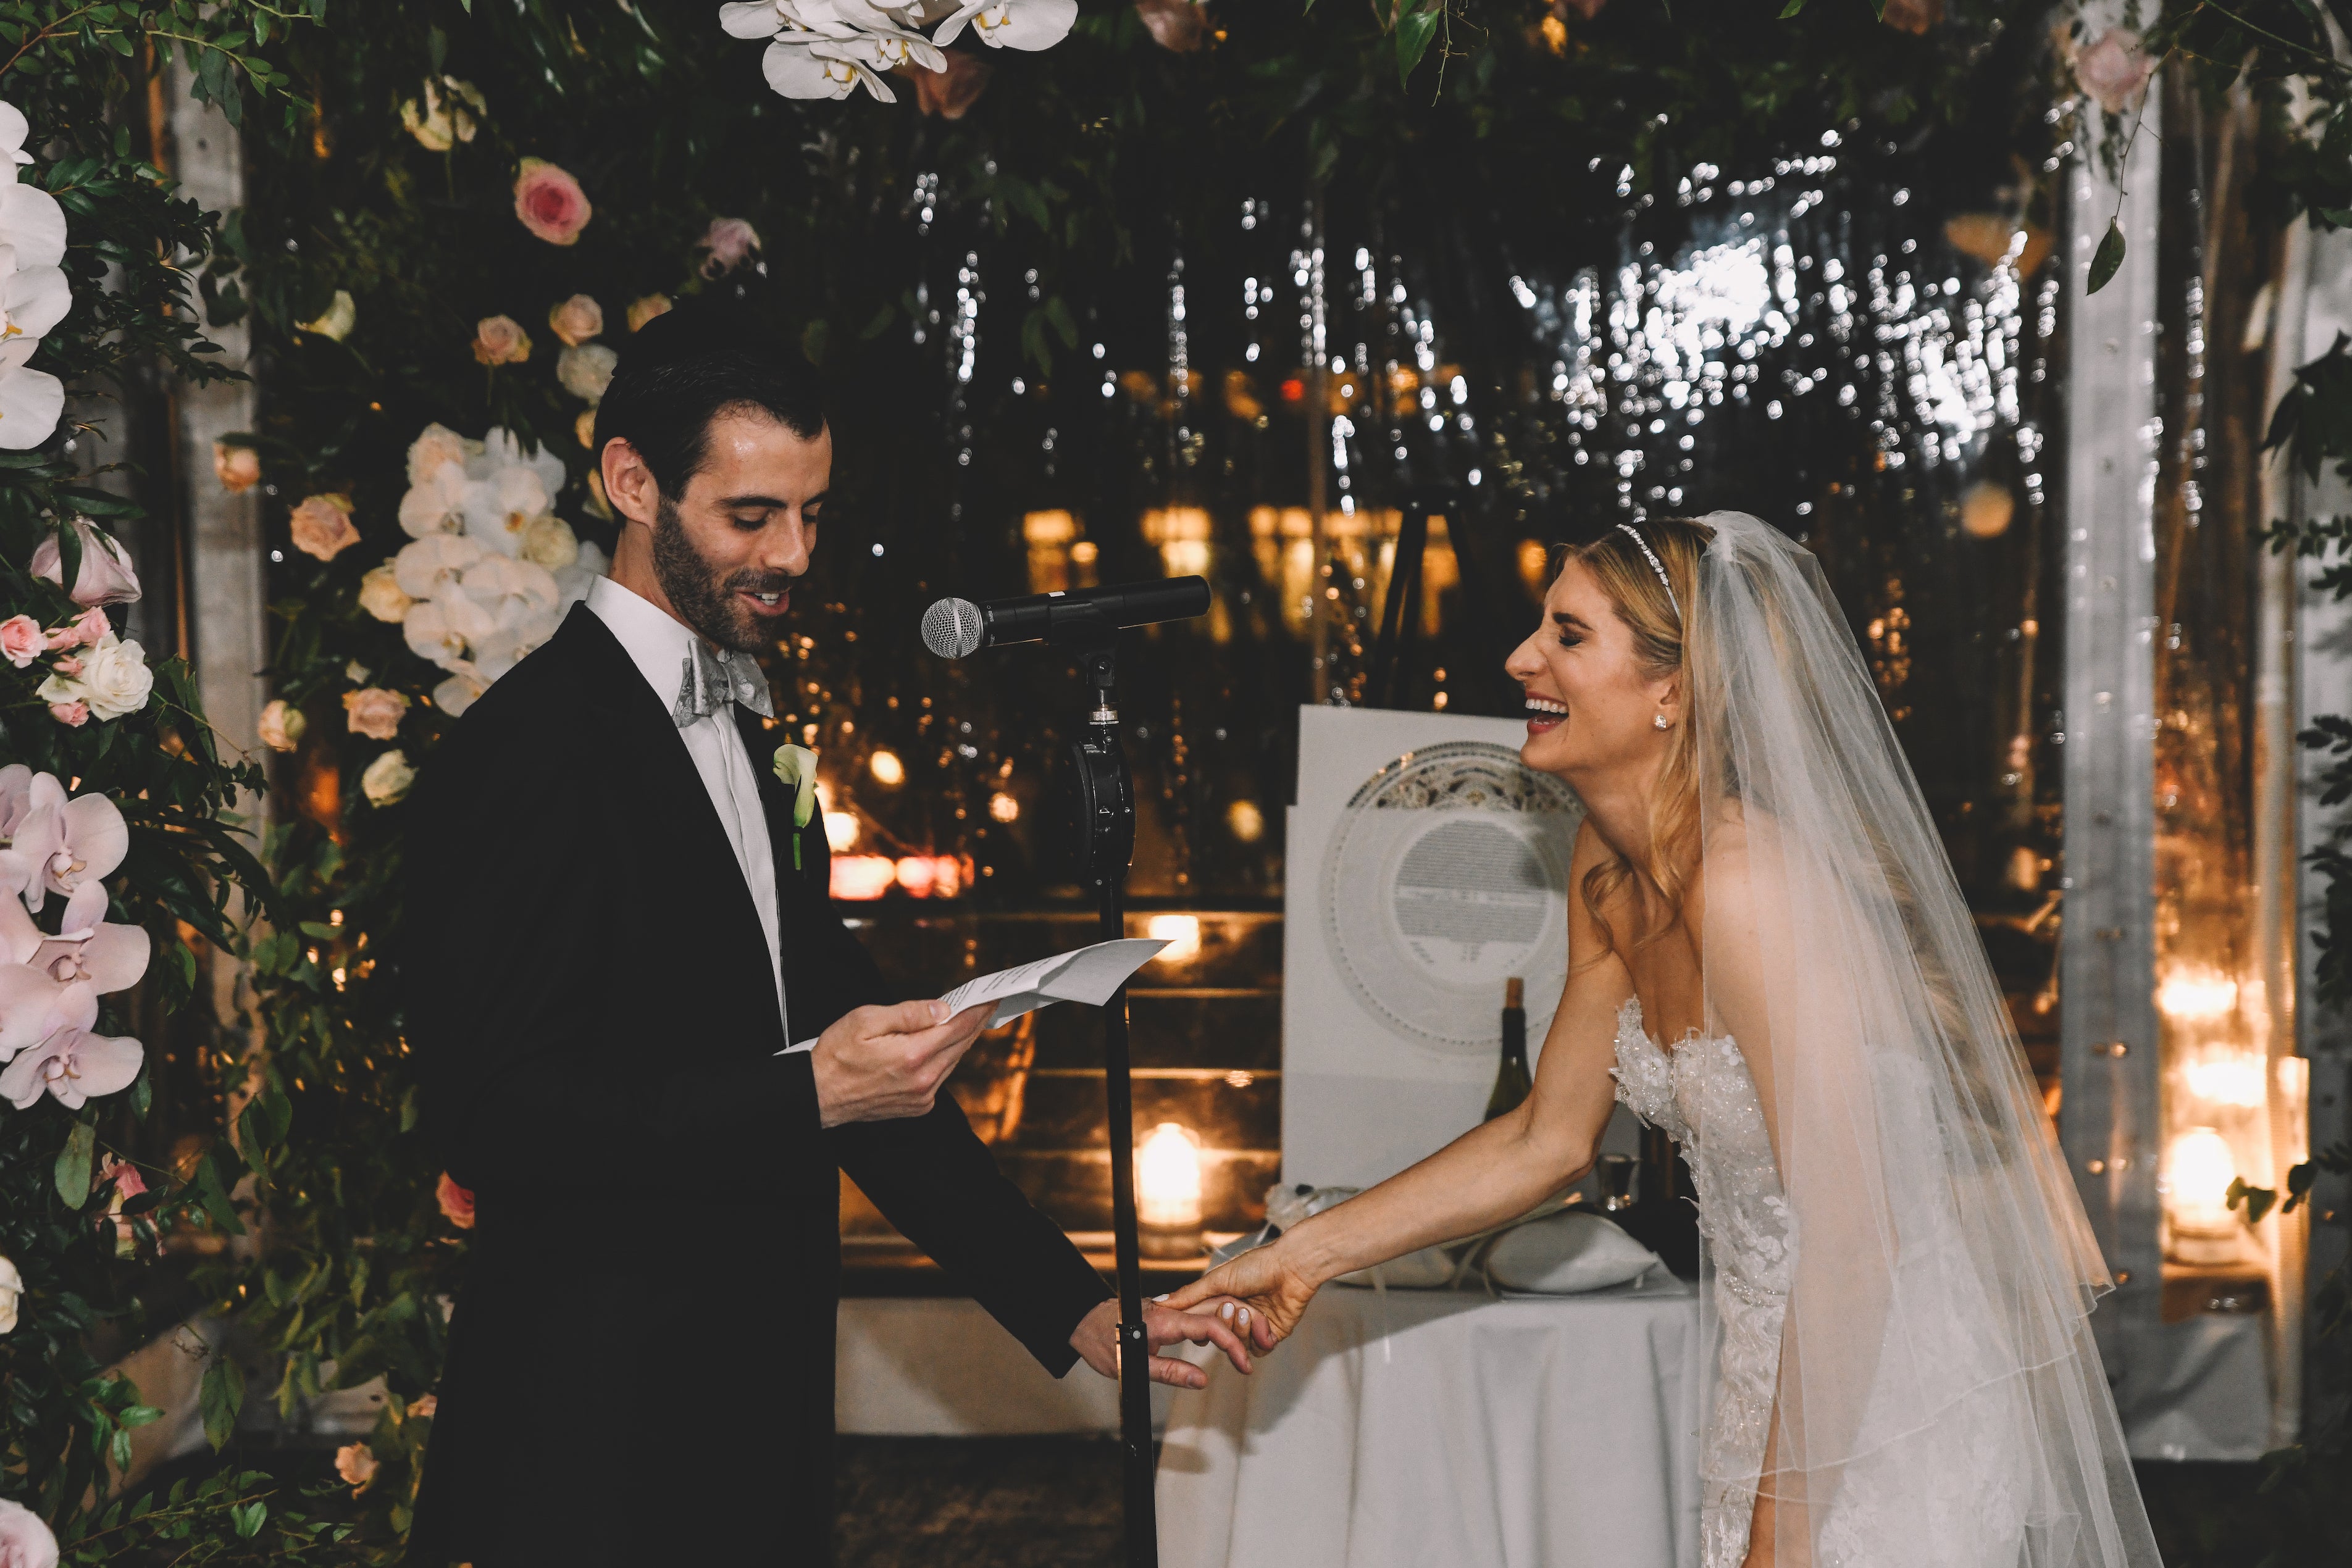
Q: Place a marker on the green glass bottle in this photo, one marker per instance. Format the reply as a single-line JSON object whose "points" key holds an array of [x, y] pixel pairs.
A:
{"points": [[1512, 1083]]}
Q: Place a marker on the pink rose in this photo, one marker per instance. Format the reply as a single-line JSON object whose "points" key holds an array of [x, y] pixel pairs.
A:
{"points": [[236, 468], [457, 1203], [730, 242], [550, 203], [949, 93], [576, 320], [1175, 24], [644, 310], [72, 714], [356, 1463], [124, 1175], [323, 526], [24, 1541], [500, 340], [22, 641], [2114, 70], [105, 576], [82, 632], [69, 665], [374, 711]]}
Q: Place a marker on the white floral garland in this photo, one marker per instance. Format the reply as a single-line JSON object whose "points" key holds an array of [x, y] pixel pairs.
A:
{"points": [[829, 48]]}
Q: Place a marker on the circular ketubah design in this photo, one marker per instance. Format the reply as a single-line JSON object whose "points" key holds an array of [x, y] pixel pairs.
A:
{"points": [[1447, 875]]}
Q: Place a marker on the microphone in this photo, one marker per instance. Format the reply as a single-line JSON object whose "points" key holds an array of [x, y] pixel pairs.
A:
{"points": [[956, 628]]}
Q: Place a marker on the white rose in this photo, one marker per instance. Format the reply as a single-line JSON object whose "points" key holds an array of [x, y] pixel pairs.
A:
{"points": [[548, 541], [115, 679], [387, 779], [282, 726], [335, 323], [586, 371], [12, 1288], [381, 596]]}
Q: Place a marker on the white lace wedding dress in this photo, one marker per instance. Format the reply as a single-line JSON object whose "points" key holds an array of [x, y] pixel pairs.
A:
{"points": [[1924, 1493]]}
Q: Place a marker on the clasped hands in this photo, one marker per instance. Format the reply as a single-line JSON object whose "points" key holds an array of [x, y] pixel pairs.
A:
{"points": [[882, 1063]]}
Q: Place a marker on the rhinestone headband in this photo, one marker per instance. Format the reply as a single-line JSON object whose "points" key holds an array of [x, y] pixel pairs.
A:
{"points": [[1656, 565]]}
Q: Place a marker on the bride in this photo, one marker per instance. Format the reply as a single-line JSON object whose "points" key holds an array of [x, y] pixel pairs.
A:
{"points": [[1770, 961]]}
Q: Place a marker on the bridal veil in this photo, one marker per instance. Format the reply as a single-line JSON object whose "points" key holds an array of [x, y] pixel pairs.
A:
{"points": [[1940, 1401]]}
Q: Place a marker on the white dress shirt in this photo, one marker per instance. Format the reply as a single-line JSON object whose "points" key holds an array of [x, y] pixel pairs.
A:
{"points": [[660, 645]]}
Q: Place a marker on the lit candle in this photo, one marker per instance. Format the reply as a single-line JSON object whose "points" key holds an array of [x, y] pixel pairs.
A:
{"points": [[1168, 1179], [2198, 1170]]}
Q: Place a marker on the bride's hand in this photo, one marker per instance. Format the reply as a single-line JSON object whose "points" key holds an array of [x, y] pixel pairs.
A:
{"points": [[1262, 1294]]}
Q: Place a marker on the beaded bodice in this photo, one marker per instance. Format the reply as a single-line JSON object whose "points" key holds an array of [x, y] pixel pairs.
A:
{"points": [[1700, 1095]]}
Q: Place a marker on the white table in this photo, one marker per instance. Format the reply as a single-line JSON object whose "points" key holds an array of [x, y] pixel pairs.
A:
{"points": [[1426, 1429]]}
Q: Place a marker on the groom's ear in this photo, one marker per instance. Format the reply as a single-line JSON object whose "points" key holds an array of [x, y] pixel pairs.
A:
{"points": [[629, 484]]}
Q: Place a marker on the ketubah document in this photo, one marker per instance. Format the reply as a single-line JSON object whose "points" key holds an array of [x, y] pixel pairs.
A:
{"points": [[1088, 974]]}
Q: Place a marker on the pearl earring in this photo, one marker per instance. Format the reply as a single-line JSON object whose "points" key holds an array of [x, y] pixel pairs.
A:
{"points": [[1661, 722]]}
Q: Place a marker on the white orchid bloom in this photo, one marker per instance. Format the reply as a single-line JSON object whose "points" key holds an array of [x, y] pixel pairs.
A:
{"points": [[515, 605], [32, 224], [1011, 24], [458, 693], [834, 19], [14, 128], [436, 448], [430, 568], [571, 582], [435, 504], [32, 299], [441, 629], [72, 1064], [33, 1007], [31, 402]]}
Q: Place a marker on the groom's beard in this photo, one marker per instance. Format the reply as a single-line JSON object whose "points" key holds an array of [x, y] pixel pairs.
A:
{"points": [[705, 595]]}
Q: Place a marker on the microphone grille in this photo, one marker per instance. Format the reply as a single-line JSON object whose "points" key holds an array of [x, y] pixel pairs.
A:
{"points": [[952, 629]]}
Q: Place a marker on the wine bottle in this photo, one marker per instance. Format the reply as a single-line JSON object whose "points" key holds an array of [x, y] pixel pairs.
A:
{"points": [[1512, 1083]]}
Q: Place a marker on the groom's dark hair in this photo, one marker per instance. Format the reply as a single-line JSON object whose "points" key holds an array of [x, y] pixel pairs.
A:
{"points": [[687, 366]]}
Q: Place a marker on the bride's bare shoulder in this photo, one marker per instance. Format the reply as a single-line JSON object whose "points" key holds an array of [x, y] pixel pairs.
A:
{"points": [[1738, 841]]}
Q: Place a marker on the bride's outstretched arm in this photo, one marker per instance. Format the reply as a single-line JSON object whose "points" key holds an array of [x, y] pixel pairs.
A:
{"points": [[1490, 1174]]}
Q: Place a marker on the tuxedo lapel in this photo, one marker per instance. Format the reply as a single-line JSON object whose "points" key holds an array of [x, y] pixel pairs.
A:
{"points": [[698, 871]]}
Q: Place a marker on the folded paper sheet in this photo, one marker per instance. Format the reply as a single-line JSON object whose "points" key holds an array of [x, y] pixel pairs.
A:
{"points": [[1088, 974]]}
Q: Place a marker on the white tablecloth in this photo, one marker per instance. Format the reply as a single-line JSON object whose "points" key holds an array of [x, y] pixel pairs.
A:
{"points": [[1442, 1430]]}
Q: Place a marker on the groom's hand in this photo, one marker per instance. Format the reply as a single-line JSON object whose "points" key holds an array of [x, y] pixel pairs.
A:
{"points": [[880, 1063], [1096, 1339]]}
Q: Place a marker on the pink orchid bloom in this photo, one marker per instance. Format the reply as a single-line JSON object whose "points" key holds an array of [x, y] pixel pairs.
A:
{"points": [[72, 1064], [35, 1009], [106, 577], [88, 947], [54, 844]]}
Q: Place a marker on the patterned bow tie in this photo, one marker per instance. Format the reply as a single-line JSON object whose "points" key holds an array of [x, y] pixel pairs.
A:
{"points": [[708, 681]]}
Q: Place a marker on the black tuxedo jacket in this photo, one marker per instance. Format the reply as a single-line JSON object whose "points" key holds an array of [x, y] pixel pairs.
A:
{"points": [[641, 1358]]}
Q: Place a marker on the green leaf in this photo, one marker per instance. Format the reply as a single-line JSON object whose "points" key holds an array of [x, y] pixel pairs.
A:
{"points": [[214, 1195], [220, 1397], [2107, 259], [249, 1518], [74, 1162], [1792, 8], [1414, 33]]}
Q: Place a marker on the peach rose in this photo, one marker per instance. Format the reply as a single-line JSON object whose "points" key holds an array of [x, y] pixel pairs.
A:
{"points": [[550, 203], [1912, 16], [322, 526], [457, 1203], [374, 711], [584, 427], [237, 467], [949, 93], [500, 340], [576, 320], [22, 641], [1174, 24], [282, 725], [644, 310], [356, 1463], [425, 1406]]}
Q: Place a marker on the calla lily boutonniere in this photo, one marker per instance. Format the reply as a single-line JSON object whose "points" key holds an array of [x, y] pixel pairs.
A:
{"points": [[796, 768]]}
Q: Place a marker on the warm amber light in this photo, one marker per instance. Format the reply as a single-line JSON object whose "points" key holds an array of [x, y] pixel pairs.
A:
{"points": [[1180, 932], [1054, 527], [1004, 807], [887, 768], [2198, 1170], [1168, 1178], [1245, 822], [2195, 992], [840, 831], [862, 878]]}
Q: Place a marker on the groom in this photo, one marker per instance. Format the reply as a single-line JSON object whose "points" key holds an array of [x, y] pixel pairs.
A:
{"points": [[616, 931]]}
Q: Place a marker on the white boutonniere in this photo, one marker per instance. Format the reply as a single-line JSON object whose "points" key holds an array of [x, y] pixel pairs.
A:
{"points": [[796, 769]]}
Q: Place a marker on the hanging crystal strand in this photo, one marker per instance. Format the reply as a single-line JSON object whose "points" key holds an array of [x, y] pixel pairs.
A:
{"points": [[1314, 322]]}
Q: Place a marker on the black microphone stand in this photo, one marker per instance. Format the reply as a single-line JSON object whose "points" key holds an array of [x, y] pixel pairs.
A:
{"points": [[1105, 838]]}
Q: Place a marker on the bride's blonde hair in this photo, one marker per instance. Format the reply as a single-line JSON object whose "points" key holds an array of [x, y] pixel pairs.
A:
{"points": [[1643, 604]]}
